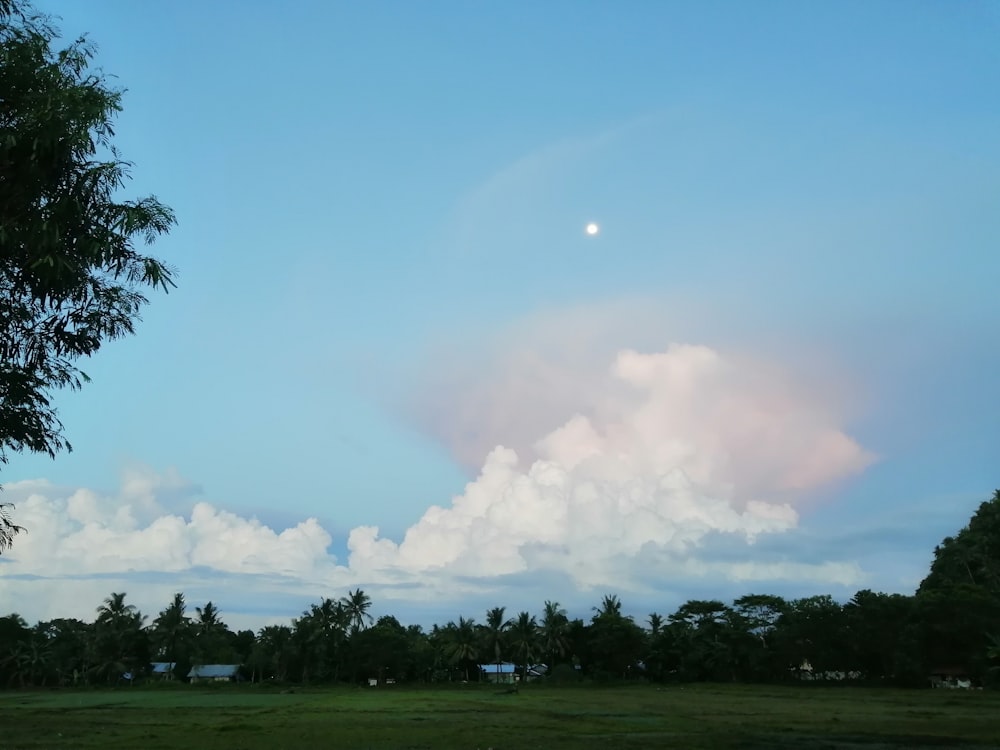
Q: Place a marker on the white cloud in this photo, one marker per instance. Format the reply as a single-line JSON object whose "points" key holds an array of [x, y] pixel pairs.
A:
{"points": [[693, 443], [686, 445], [81, 544]]}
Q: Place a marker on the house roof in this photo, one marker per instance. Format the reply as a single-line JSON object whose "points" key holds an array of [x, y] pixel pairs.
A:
{"points": [[162, 667], [501, 668], [214, 670]]}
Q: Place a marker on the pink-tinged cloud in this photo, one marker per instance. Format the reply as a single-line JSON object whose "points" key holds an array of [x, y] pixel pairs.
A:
{"points": [[684, 443], [648, 458]]}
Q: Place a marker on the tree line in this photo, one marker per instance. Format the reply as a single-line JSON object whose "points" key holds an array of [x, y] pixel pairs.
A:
{"points": [[949, 625]]}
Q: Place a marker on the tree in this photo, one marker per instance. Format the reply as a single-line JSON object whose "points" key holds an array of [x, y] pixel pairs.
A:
{"points": [[495, 635], [655, 621], [958, 602], [876, 622], [14, 637], [357, 603], [8, 529], [554, 633], [972, 556], [382, 650], [813, 631], [71, 277], [461, 643], [212, 639], [524, 642], [755, 618], [702, 629], [611, 607], [67, 641], [993, 655], [120, 645], [615, 642], [319, 635], [172, 634], [272, 651]]}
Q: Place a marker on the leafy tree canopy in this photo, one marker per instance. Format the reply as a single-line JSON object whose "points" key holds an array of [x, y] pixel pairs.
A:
{"points": [[972, 556], [71, 276]]}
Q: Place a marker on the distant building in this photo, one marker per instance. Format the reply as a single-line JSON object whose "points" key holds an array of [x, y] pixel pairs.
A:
{"points": [[504, 672], [537, 671], [163, 670], [950, 677], [214, 673]]}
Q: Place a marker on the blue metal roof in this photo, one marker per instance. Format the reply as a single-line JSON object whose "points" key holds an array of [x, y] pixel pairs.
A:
{"points": [[502, 668], [214, 670], [162, 667]]}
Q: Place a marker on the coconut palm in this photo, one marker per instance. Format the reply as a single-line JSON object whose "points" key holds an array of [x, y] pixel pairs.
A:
{"points": [[655, 621], [272, 651], [524, 641], [357, 603], [208, 618], [115, 612], [120, 644], [494, 635], [554, 632], [462, 645], [211, 636], [611, 607], [172, 628], [319, 635]]}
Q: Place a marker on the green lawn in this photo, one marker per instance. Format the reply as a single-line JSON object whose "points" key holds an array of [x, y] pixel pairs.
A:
{"points": [[479, 717]]}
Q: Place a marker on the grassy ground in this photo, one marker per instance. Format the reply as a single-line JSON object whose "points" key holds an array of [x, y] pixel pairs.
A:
{"points": [[471, 717]]}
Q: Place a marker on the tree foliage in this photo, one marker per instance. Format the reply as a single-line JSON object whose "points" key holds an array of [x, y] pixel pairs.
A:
{"points": [[972, 556], [71, 274], [947, 627], [8, 529]]}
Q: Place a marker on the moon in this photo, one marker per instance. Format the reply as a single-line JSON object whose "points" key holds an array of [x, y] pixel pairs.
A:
{"points": [[592, 229]]}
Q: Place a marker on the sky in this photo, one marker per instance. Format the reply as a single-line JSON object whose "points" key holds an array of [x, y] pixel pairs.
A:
{"points": [[395, 360]]}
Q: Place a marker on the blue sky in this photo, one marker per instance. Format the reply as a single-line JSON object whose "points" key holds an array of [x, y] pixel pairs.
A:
{"points": [[382, 269]]}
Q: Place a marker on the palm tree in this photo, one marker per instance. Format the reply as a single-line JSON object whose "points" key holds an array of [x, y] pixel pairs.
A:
{"points": [[357, 603], [208, 618], [271, 651], [462, 648], [554, 632], [308, 643], [211, 635], [524, 641], [655, 623], [611, 607], [114, 611], [320, 634], [495, 631], [120, 643], [172, 627]]}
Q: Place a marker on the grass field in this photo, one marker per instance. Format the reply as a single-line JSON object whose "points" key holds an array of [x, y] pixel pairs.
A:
{"points": [[699, 716]]}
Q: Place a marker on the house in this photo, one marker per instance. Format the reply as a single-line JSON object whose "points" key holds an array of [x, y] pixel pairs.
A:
{"points": [[950, 677], [504, 672], [537, 671], [805, 672], [163, 670], [214, 673]]}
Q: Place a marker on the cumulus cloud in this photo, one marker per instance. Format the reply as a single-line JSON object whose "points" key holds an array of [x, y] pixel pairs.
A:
{"points": [[80, 543], [689, 444], [82, 532], [664, 453]]}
